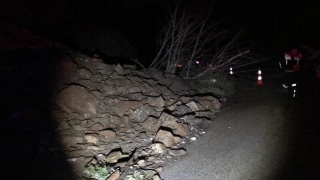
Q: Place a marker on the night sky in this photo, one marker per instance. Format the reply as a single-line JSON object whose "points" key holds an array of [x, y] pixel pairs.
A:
{"points": [[278, 24], [272, 26]]}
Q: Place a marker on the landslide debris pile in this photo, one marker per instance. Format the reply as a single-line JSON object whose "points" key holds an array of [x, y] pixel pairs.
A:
{"points": [[125, 120]]}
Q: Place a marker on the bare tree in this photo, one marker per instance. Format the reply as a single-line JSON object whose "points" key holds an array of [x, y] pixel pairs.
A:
{"points": [[191, 35]]}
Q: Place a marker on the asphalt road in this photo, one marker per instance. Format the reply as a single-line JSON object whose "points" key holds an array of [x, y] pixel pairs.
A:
{"points": [[263, 135]]}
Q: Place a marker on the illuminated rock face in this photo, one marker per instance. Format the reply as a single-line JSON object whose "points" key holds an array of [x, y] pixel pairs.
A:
{"points": [[105, 109], [76, 99]]}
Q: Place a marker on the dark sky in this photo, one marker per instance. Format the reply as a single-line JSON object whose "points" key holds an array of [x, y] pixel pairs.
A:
{"points": [[273, 25], [279, 24]]}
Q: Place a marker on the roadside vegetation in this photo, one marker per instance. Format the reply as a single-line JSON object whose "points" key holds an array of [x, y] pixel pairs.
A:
{"points": [[195, 45]]}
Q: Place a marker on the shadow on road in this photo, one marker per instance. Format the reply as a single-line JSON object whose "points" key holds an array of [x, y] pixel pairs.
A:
{"points": [[26, 98], [304, 113]]}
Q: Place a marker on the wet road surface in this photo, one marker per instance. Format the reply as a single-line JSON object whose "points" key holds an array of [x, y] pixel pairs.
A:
{"points": [[263, 135]]}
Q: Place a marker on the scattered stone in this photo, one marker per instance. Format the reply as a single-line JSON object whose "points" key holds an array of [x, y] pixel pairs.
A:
{"points": [[165, 137], [185, 99], [156, 102], [109, 89], [142, 135], [172, 107], [177, 152], [94, 148], [157, 148], [151, 124], [182, 110], [159, 169], [113, 157], [134, 90], [142, 113], [84, 73], [168, 121], [91, 139], [119, 69], [122, 107], [182, 130], [114, 176], [108, 134], [96, 127], [177, 139], [78, 128], [141, 163], [156, 177], [150, 173]]}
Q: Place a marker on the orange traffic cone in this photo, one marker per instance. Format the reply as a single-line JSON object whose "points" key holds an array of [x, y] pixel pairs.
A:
{"points": [[259, 80]]}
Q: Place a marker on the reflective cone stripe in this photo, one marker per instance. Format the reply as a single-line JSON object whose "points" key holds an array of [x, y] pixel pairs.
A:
{"points": [[259, 80]]}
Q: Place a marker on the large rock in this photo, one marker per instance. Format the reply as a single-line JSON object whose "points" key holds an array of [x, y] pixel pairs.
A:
{"points": [[151, 124], [156, 101], [157, 148], [195, 106], [114, 156], [142, 113], [76, 99], [182, 130], [84, 73], [208, 102], [91, 138], [168, 121], [165, 137], [96, 127], [182, 110], [122, 107], [109, 89], [108, 134]]}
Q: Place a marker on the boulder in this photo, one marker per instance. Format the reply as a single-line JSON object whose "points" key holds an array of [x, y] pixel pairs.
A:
{"points": [[114, 156], [208, 102], [168, 121], [91, 138], [108, 134], [156, 101], [142, 113], [85, 73], [151, 124], [194, 106], [76, 99], [182, 130], [165, 137], [157, 148], [122, 107]]}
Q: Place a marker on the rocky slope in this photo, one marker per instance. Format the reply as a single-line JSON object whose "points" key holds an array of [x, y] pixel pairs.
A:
{"points": [[113, 116]]}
